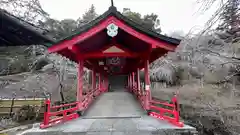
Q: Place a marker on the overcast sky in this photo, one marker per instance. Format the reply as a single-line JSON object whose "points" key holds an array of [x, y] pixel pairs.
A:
{"points": [[174, 15]]}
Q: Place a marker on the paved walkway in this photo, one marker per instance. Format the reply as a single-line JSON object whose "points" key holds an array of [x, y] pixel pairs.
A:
{"points": [[113, 113], [115, 105]]}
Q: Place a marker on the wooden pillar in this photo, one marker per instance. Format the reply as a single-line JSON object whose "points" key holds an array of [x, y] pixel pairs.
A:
{"points": [[133, 79], [99, 81], [147, 85], [138, 80], [93, 79], [105, 83], [129, 76], [80, 83], [128, 82]]}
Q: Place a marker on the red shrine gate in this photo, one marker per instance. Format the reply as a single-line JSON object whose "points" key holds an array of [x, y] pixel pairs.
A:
{"points": [[113, 45]]}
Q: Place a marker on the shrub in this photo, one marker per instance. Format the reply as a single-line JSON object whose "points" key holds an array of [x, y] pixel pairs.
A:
{"points": [[40, 63], [25, 113]]}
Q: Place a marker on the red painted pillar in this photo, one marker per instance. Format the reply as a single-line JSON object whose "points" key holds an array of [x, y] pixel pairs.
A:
{"points": [[138, 80], [80, 84], [93, 79], [105, 83], [99, 82], [176, 108], [147, 85], [133, 80], [130, 82]]}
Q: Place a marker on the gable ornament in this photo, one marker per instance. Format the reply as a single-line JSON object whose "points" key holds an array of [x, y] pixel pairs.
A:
{"points": [[112, 30]]}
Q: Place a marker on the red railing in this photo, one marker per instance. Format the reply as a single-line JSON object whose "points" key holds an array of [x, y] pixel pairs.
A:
{"points": [[167, 109], [140, 94], [52, 118], [87, 100], [89, 97], [161, 110]]}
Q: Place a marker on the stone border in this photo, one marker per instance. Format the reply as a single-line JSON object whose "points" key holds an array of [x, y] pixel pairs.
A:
{"points": [[15, 130]]}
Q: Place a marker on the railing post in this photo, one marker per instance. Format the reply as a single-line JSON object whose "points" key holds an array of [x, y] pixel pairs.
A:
{"points": [[64, 115], [176, 108], [47, 111]]}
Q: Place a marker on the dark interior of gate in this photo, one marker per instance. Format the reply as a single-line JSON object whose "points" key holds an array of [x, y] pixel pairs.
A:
{"points": [[115, 49], [117, 82]]}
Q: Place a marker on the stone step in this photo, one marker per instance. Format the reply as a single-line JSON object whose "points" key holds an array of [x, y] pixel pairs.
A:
{"points": [[121, 126], [158, 132]]}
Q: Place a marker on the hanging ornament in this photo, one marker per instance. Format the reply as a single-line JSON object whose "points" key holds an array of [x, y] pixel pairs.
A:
{"points": [[112, 30], [113, 61]]}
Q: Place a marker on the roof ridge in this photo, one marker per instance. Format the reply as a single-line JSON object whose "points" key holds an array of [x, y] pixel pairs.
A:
{"points": [[25, 25], [150, 30], [113, 11]]}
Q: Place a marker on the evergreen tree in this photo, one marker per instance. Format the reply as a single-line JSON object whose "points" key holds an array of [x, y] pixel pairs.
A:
{"points": [[88, 15], [148, 21]]}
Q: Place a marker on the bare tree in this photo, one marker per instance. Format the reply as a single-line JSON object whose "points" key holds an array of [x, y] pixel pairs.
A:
{"points": [[28, 10], [61, 74]]}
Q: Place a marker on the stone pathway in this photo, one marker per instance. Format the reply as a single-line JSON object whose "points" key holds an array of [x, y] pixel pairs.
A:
{"points": [[114, 105]]}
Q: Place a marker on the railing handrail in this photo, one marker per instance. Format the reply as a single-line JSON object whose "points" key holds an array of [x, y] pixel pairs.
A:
{"points": [[161, 109], [62, 111], [63, 105], [162, 103], [90, 92]]}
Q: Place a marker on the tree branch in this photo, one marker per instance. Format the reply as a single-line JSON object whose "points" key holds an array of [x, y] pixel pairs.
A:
{"points": [[218, 54]]}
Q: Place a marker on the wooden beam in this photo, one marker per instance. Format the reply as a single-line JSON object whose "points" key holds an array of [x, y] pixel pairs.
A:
{"points": [[102, 55]]}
